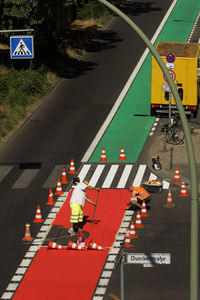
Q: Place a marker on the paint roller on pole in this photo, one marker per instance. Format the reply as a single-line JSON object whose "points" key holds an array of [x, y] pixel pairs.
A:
{"points": [[95, 207]]}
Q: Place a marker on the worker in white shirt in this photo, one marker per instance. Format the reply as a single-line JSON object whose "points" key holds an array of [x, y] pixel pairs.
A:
{"points": [[77, 202]]}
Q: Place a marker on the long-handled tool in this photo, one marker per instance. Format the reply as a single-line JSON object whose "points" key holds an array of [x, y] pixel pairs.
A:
{"points": [[95, 207]]}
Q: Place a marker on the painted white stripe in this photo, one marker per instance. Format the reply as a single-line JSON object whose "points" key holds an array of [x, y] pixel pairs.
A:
{"points": [[25, 179], [103, 282], [100, 291], [55, 209], [7, 295], [30, 254], [21, 271], [122, 230], [106, 274], [125, 89], [110, 176], [17, 278], [12, 286], [25, 262], [54, 175], [44, 228], [111, 258], [117, 244], [124, 177], [120, 238], [96, 175], [109, 266], [4, 170], [33, 249], [127, 218], [129, 212], [97, 298], [139, 175], [84, 172], [114, 251]]}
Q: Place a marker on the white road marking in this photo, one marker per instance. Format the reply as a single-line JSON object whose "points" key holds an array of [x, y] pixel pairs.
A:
{"points": [[96, 175], [25, 179], [84, 172], [139, 175], [110, 176], [4, 170], [124, 177], [126, 88]]}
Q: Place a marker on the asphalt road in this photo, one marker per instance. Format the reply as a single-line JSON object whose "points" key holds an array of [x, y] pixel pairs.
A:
{"points": [[64, 126]]}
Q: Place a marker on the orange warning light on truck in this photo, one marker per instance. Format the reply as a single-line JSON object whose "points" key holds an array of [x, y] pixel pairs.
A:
{"points": [[182, 61]]}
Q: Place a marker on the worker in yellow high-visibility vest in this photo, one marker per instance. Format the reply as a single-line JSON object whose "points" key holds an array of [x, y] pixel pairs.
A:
{"points": [[77, 202]]}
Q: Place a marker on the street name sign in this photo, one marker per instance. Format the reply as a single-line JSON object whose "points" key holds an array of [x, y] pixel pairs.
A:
{"points": [[21, 47], [150, 258]]}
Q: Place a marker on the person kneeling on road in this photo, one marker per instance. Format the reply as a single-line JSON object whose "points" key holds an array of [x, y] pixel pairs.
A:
{"points": [[138, 195], [77, 202]]}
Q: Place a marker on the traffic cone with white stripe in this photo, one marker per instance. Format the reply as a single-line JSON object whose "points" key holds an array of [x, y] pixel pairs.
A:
{"points": [[27, 236], [38, 216], [138, 222], [127, 242], [74, 246], [176, 176], [53, 245], [144, 213], [80, 239], [72, 167], [122, 154], [93, 246], [132, 233], [103, 155], [64, 177], [169, 203], [50, 198], [183, 192], [59, 190]]}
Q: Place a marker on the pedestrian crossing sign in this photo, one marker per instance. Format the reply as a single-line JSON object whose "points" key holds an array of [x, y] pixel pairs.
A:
{"points": [[21, 47]]}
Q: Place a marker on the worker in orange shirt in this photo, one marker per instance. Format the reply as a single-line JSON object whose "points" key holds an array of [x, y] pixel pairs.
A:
{"points": [[138, 195]]}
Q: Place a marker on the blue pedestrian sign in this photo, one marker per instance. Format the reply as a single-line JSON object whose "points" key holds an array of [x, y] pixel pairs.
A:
{"points": [[21, 47]]}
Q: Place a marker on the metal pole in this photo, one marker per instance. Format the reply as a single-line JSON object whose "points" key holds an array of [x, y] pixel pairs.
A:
{"points": [[170, 112], [122, 278], [190, 152]]}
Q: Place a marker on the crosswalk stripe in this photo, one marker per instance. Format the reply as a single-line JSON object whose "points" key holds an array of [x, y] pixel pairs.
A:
{"points": [[140, 173], [4, 170], [25, 179], [110, 176], [96, 175], [54, 175], [124, 176], [84, 172]]}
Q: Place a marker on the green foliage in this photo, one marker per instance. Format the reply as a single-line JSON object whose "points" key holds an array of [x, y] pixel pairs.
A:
{"points": [[18, 90]]}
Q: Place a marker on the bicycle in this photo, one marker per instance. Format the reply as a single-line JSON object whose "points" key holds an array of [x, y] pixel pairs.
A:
{"points": [[174, 132]]}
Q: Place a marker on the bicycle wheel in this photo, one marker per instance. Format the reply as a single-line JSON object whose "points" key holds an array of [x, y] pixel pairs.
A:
{"points": [[175, 135]]}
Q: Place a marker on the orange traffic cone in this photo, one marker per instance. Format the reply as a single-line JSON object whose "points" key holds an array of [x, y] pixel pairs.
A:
{"points": [[132, 233], [53, 245], [169, 203], [50, 198], [183, 192], [80, 239], [176, 176], [138, 222], [64, 177], [72, 167], [122, 154], [93, 246], [38, 216], [103, 155], [127, 242], [27, 236], [144, 213], [59, 190], [74, 246]]}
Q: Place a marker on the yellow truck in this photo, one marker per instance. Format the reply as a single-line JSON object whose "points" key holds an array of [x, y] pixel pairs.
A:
{"points": [[182, 61]]}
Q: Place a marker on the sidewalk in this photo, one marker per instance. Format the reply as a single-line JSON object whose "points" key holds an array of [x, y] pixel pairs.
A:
{"points": [[172, 156]]}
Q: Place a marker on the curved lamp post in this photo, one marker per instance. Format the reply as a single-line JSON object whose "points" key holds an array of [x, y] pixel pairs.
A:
{"points": [[190, 152]]}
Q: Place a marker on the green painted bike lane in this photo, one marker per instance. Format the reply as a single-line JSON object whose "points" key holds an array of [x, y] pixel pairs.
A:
{"points": [[126, 129]]}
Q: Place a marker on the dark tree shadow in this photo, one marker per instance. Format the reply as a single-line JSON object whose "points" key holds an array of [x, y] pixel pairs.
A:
{"points": [[138, 8]]}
